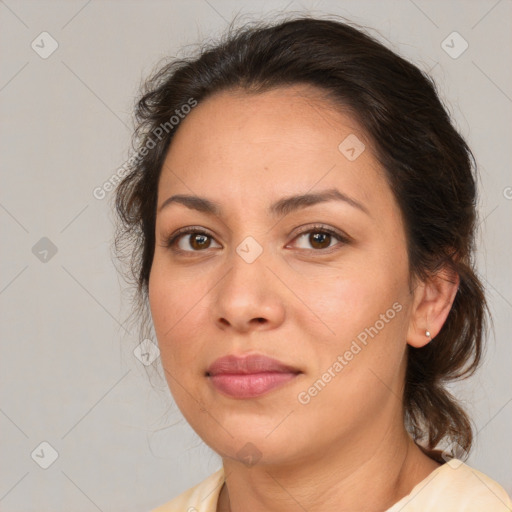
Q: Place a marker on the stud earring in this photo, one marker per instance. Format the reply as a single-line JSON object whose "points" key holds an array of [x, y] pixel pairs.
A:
{"points": [[427, 334]]}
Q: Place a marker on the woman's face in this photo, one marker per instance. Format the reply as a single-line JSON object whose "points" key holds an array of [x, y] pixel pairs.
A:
{"points": [[266, 277]]}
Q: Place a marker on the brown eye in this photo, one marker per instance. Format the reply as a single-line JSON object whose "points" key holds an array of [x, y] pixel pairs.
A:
{"points": [[320, 240], [199, 241], [190, 240]]}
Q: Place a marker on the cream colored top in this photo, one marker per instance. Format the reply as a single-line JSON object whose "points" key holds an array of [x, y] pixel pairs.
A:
{"points": [[452, 487]]}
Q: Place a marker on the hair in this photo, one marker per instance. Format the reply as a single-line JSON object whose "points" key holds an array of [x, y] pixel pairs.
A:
{"points": [[428, 166]]}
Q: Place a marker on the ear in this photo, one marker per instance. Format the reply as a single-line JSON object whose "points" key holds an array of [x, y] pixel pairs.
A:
{"points": [[432, 303]]}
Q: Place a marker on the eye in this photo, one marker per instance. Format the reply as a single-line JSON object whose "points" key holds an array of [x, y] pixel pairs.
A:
{"points": [[190, 240], [320, 238]]}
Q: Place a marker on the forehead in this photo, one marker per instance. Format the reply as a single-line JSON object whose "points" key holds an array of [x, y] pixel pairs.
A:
{"points": [[275, 143], [297, 118]]}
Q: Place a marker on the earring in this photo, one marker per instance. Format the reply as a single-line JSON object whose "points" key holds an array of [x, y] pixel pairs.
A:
{"points": [[427, 333]]}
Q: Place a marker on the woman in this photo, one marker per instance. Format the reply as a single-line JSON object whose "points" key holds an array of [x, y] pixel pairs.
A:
{"points": [[303, 214]]}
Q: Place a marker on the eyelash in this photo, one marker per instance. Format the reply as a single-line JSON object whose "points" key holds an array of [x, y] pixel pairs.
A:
{"points": [[171, 241]]}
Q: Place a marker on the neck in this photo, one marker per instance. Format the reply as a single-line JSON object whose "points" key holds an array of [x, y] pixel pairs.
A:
{"points": [[360, 477]]}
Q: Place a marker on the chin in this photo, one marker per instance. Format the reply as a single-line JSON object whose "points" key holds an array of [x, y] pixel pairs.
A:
{"points": [[253, 448]]}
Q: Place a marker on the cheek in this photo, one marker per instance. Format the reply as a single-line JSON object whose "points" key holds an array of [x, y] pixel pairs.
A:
{"points": [[340, 303], [368, 315], [362, 307], [173, 308], [176, 304]]}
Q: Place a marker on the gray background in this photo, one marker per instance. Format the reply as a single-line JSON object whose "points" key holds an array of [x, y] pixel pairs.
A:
{"points": [[68, 373]]}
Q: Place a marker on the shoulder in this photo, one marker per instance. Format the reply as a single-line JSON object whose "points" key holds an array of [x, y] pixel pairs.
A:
{"points": [[455, 487], [201, 498]]}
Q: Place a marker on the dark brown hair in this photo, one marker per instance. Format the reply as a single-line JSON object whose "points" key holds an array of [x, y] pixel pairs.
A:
{"points": [[428, 165]]}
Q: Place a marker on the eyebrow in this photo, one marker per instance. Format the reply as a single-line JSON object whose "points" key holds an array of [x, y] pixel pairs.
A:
{"points": [[282, 207]]}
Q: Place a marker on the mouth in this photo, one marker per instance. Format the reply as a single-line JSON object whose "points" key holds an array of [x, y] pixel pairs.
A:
{"points": [[250, 376]]}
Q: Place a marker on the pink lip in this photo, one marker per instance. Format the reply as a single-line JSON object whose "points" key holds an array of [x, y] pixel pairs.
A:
{"points": [[249, 376]]}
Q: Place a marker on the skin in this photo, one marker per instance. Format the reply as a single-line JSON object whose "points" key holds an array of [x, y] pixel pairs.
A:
{"points": [[299, 302]]}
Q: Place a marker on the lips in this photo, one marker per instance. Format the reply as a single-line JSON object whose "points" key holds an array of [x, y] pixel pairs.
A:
{"points": [[254, 363], [249, 376]]}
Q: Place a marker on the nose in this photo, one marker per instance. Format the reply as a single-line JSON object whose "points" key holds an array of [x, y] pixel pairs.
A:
{"points": [[248, 297]]}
